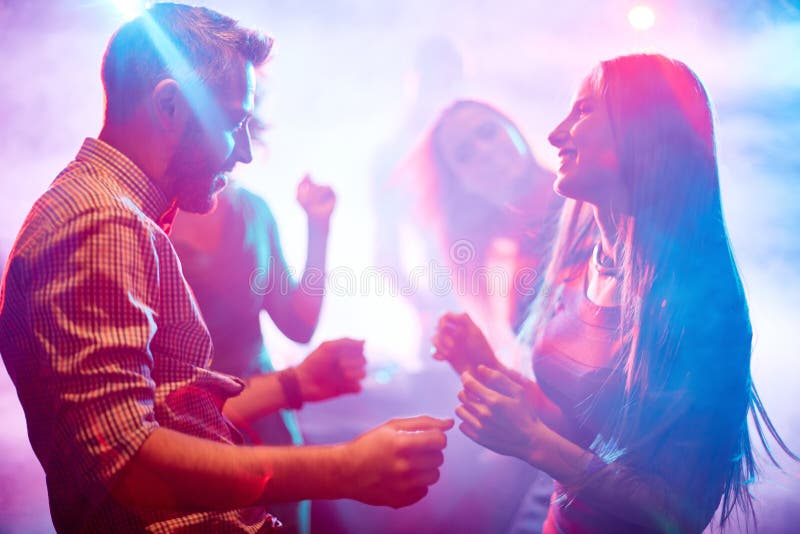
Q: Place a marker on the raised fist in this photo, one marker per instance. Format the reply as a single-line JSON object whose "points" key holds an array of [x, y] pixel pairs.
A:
{"points": [[334, 368], [317, 200]]}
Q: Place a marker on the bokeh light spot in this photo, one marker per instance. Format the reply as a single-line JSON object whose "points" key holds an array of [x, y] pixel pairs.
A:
{"points": [[641, 18]]}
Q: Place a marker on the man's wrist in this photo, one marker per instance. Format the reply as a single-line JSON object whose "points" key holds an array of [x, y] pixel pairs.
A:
{"points": [[308, 472], [344, 468], [290, 385]]}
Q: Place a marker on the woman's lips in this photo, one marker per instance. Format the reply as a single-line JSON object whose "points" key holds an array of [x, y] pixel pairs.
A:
{"points": [[567, 157]]}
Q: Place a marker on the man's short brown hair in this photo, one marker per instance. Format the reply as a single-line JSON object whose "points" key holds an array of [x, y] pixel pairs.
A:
{"points": [[174, 41]]}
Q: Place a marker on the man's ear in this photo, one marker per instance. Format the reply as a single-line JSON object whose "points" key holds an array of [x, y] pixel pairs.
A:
{"points": [[170, 108]]}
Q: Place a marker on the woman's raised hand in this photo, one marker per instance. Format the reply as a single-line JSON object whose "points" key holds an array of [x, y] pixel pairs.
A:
{"points": [[317, 200], [459, 342]]}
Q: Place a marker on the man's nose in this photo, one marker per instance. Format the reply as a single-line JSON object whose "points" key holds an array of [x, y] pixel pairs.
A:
{"points": [[244, 148]]}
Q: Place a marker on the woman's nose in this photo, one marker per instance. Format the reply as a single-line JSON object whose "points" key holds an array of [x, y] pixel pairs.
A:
{"points": [[559, 136]]}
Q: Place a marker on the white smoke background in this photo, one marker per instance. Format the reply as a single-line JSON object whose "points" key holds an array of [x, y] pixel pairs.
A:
{"points": [[341, 83]]}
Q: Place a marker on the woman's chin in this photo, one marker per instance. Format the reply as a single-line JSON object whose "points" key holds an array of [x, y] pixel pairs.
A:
{"points": [[568, 188], [561, 187]]}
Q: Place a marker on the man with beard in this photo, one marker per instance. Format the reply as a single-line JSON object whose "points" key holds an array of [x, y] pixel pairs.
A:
{"points": [[103, 338]]}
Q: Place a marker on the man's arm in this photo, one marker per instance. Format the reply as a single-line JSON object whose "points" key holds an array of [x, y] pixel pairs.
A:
{"points": [[92, 294], [391, 465], [296, 310], [86, 291]]}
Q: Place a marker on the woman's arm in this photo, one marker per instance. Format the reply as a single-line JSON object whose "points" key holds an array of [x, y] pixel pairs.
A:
{"points": [[293, 306], [334, 368], [670, 494]]}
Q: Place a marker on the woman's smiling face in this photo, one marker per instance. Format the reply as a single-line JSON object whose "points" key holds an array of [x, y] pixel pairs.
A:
{"points": [[587, 149]]}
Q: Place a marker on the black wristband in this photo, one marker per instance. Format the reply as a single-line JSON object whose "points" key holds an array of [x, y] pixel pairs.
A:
{"points": [[291, 388]]}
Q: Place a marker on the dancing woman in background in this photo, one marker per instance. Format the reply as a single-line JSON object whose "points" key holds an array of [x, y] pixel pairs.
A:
{"points": [[467, 198], [641, 334], [488, 204]]}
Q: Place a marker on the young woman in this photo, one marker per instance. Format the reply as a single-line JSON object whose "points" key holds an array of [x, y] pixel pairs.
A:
{"points": [[641, 334], [466, 199]]}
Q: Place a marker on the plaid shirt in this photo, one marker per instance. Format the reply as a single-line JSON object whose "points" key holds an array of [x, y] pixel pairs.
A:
{"points": [[104, 342]]}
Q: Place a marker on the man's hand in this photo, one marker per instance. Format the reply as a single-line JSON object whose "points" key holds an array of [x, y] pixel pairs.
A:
{"points": [[317, 200], [459, 342], [393, 464], [334, 368]]}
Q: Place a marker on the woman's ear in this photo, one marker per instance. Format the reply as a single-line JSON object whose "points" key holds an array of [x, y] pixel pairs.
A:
{"points": [[169, 107]]}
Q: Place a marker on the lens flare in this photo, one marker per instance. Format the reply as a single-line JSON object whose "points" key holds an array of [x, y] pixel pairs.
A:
{"points": [[642, 18], [130, 9]]}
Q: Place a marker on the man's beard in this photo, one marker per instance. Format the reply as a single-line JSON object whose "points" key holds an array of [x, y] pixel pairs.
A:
{"points": [[195, 199], [194, 185]]}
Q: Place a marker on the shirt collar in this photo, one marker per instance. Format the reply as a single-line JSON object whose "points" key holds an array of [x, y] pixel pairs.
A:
{"points": [[143, 192]]}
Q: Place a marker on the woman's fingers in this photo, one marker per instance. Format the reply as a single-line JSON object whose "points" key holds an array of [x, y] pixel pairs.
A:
{"points": [[514, 375], [498, 380], [474, 406], [467, 416], [484, 391], [443, 342], [456, 325], [450, 319], [465, 397], [470, 431], [491, 437], [479, 401]]}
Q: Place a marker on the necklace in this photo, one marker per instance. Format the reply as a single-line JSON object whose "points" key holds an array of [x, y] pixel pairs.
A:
{"points": [[603, 264]]}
